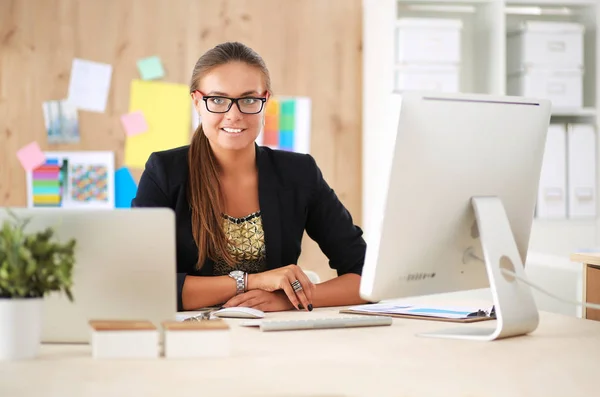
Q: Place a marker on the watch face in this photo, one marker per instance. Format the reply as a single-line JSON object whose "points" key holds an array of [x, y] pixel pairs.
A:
{"points": [[237, 273]]}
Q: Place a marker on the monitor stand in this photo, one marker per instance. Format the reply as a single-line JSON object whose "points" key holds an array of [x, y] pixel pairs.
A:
{"points": [[516, 311]]}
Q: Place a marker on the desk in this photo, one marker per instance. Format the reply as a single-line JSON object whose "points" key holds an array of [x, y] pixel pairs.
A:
{"points": [[591, 282], [559, 359]]}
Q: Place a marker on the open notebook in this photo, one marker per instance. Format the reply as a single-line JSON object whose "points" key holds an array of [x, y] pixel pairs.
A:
{"points": [[428, 312]]}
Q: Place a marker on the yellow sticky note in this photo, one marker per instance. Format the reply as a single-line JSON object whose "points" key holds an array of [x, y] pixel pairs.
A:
{"points": [[166, 107]]}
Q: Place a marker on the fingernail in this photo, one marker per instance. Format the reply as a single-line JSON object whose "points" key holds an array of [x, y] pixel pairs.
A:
{"points": [[310, 307], [300, 306]]}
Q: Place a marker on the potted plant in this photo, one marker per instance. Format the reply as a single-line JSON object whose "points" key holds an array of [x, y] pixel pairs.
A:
{"points": [[31, 266]]}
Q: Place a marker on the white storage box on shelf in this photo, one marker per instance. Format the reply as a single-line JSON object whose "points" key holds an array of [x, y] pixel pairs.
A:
{"points": [[428, 40], [547, 45], [552, 188], [563, 87], [445, 78], [581, 144]]}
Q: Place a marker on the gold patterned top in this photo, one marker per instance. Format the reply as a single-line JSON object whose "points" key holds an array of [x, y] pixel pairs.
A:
{"points": [[246, 244]]}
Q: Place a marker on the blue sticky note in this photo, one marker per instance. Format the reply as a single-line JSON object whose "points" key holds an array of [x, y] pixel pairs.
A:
{"points": [[286, 140], [151, 68], [125, 188]]}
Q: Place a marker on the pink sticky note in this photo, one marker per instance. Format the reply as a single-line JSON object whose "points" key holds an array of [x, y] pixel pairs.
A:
{"points": [[31, 156], [134, 123]]}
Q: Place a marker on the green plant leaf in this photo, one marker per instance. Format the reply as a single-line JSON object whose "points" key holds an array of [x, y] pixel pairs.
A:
{"points": [[33, 264]]}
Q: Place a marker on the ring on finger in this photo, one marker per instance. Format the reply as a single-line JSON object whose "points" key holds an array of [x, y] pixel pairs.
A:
{"points": [[297, 286]]}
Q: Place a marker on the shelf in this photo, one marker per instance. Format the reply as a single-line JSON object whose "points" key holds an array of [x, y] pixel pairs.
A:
{"points": [[562, 236], [552, 3], [534, 10], [566, 112], [461, 9], [546, 8], [444, 2], [574, 223], [441, 6]]}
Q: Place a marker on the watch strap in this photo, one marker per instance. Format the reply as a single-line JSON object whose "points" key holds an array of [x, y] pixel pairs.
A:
{"points": [[240, 284]]}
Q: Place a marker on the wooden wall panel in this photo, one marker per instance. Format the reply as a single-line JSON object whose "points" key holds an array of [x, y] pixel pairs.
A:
{"points": [[312, 48]]}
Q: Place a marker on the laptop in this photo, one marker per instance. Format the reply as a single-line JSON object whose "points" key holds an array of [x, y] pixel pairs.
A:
{"points": [[125, 267]]}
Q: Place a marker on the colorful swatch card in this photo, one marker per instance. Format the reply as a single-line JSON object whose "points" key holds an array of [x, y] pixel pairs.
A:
{"points": [[73, 180], [287, 124]]}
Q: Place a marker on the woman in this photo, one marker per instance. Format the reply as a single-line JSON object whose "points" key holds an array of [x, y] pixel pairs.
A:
{"points": [[241, 210]]}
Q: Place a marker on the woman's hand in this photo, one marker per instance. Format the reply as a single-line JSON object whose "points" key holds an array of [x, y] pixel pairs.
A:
{"points": [[282, 279], [261, 300]]}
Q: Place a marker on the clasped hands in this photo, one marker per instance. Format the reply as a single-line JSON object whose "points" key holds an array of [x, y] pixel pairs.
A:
{"points": [[272, 291]]}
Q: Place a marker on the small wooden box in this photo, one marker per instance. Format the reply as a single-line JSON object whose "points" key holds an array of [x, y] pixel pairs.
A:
{"points": [[124, 339], [186, 339]]}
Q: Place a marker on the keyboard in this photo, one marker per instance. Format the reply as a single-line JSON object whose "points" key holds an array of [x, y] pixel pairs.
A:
{"points": [[324, 323]]}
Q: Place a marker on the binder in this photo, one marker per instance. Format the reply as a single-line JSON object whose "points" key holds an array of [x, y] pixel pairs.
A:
{"points": [[581, 171], [552, 189]]}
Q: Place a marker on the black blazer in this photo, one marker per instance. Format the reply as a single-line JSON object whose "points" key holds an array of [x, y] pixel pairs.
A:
{"points": [[293, 197]]}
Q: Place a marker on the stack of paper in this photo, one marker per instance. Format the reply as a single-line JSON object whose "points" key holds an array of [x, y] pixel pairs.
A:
{"points": [[437, 311]]}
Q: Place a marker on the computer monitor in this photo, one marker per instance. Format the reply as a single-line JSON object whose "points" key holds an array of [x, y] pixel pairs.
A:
{"points": [[124, 267], [460, 203]]}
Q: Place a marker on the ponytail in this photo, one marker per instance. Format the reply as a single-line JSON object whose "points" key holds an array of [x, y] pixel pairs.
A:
{"points": [[206, 201]]}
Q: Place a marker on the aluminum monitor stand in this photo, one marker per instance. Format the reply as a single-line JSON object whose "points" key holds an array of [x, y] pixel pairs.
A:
{"points": [[516, 311]]}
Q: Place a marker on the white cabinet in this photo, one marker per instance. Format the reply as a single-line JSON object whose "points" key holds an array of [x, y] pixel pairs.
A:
{"points": [[538, 48]]}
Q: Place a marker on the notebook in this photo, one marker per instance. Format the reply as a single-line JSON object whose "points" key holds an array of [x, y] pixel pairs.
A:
{"points": [[425, 312]]}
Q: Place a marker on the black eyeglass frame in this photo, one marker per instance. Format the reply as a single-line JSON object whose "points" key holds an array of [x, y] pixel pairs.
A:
{"points": [[205, 98]]}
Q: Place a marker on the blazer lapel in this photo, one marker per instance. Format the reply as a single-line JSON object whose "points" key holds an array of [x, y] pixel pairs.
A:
{"points": [[268, 198]]}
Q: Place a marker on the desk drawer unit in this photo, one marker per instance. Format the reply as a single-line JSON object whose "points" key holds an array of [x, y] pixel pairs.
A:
{"points": [[592, 291]]}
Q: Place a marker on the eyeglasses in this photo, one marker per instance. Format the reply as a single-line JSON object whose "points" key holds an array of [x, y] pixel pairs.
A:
{"points": [[221, 104]]}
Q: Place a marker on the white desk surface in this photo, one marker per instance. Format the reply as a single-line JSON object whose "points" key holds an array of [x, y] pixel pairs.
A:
{"points": [[561, 358]]}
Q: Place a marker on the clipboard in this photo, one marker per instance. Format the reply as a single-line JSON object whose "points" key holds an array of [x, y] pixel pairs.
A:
{"points": [[473, 317]]}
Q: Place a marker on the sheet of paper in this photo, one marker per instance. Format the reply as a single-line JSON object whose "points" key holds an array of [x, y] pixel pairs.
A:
{"points": [[439, 311], [166, 107], [125, 188], [134, 123], [184, 316], [31, 156], [379, 308], [89, 85], [151, 68], [61, 121]]}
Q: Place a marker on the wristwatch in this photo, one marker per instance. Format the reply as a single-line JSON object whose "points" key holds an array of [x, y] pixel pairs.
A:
{"points": [[240, 281]]}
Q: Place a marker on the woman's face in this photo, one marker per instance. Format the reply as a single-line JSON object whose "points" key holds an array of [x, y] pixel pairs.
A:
{"points": [[233, 129]]}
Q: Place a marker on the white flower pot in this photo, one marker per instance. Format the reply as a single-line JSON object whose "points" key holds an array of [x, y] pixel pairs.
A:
{"points": [[20, 328]]}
